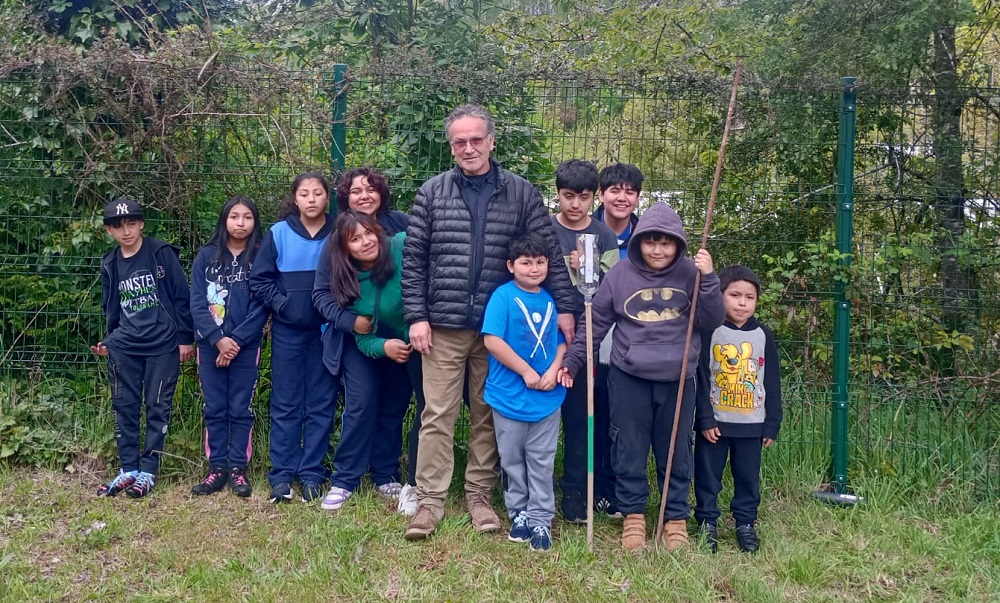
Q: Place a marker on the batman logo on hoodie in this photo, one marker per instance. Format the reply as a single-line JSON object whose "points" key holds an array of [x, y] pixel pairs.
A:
{"points": [[656, 304]]}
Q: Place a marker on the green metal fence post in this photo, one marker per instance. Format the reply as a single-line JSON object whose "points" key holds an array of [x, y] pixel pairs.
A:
{"points": [[338, 146], [842, 315]]}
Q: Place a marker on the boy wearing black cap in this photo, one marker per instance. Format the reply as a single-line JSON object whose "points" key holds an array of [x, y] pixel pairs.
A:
{"points": [[145, 299], [738, 409]]}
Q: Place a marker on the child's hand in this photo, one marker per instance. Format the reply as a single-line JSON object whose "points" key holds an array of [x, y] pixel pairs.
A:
{"points": [[574, 259], [397, 350], [222, 362], [531, 379], [768, 442], [703, 262], [712, 435], [549, 380], [562, 375], [227, 347], [186, 351], [362, 325], [100, 349]]}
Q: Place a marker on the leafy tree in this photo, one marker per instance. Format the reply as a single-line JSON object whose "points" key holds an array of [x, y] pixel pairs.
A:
{"points": [[135, 21]]}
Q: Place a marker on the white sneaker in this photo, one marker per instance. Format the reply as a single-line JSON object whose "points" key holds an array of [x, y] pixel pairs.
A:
{"points": [[407, 500], [335, 498]]}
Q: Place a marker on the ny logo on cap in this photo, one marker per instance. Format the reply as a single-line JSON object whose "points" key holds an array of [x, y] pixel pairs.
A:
{"points": [[122, 209]]}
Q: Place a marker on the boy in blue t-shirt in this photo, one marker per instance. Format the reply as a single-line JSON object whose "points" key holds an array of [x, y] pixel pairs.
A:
{"points": [[526, 350]]}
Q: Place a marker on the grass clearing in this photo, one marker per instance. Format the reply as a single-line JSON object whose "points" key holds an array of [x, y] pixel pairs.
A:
{"points": [[59, 542]]}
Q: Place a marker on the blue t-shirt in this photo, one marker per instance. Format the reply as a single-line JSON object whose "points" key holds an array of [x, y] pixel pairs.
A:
{"points": [[527, 322]]}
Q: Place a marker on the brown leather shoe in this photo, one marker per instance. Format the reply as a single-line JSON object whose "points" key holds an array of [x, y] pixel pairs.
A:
{"points": [[675, 534], [634, 531], [484, 519], [423, 524]]}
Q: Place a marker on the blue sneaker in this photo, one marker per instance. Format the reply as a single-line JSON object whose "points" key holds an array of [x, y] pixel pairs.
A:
{"points": [[142, 486], [281, 493], [541, 538], [121, 482], [519, 531], [311, 491]]}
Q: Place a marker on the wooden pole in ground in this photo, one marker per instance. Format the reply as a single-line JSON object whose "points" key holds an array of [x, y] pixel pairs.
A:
{"points": [[694, 302]]}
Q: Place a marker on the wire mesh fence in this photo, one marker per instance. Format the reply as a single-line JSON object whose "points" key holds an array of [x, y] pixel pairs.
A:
{"points": [[922, 283]]}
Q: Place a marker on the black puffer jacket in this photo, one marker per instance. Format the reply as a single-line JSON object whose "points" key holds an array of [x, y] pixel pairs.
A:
{"points": [[447, 276]]}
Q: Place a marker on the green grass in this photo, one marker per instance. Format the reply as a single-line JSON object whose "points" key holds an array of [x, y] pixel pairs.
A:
{"points": [[59, 542]]}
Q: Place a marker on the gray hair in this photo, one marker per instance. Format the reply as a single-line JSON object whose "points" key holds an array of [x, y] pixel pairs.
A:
{"points": [[470, 111]]}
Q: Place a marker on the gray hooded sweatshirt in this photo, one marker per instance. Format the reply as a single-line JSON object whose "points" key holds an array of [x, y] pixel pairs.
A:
{"points": [[650, 309]]}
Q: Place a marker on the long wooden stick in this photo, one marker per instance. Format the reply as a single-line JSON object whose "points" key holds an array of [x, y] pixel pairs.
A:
{"points": [[694, 301]]}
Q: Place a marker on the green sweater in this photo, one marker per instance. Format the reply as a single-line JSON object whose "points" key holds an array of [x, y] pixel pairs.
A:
{"points": [[390, 311]]}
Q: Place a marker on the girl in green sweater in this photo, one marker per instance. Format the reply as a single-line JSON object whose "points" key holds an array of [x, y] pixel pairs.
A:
{"points": [[365, 269]]}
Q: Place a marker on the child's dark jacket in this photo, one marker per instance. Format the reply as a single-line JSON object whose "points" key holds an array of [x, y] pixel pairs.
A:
{"points": [[172, 291], [739, 382], [284, 272], [650, 309], [221, 302]]}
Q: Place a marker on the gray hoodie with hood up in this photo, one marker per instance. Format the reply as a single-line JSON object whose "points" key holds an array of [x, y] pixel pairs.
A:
{"points": [[650, 309]]}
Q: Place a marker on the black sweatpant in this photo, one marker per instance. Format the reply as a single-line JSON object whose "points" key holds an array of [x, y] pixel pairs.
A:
{"points": [[134, 379], [710, 459], [574, 420], [642, 415]]}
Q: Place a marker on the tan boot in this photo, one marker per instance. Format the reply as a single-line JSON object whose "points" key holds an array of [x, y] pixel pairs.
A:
{"points": [[423, 524], [634, 531], [675, 534], [484, 518]]}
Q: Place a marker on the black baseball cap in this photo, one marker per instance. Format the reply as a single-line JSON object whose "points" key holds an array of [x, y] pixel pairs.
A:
{"points": [[122, 208]]}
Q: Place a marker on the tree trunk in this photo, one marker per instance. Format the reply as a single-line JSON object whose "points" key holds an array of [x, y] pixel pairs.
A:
{"points": [[949, 194]]}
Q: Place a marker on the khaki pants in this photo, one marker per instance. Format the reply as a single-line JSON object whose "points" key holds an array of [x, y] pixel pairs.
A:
{"points": [[444, 375]]}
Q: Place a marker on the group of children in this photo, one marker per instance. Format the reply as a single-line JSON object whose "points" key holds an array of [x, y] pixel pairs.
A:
{"points": [[730, 407]]}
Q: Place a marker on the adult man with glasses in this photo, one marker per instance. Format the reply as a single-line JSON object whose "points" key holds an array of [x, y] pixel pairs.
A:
{"points": [[455, 256]]}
